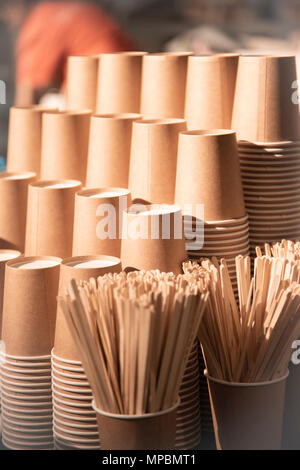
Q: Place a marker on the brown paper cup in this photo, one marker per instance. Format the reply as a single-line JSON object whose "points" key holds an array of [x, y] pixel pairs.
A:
{"points": [[5, 256], [119, 82], [98, 221], [109, 150], [24, 139], [208, 173], [29, 305], [80, 269], [154, 159], [81, 86], [50, 215], [263, 108], [210, 91], [153, 239], [247, 416], [164, 84], [291, 421], [155, 431], [65, 139], [13, 207]]}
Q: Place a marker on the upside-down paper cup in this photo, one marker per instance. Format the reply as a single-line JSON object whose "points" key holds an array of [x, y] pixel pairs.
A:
{"points": [[13, 209], [210, 91], [153, 159], [119, 82], [208, 173], [81, 85], [24, 139], [50, 216], [65, 139], [264, 109], [109, 150], [164, 84]]}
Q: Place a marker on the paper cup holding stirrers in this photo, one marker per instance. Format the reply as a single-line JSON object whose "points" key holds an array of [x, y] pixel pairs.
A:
{"points": [[13, 208], [25, 139], [119, 82], [26, 359], [81, 86], [75, 424], [109, 150], [164, 84], [247, 357], [153, 159], [98, 221], [50, 215], [140, 368], [65, 139]]}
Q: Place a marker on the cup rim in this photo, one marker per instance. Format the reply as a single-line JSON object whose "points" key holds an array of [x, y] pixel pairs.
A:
{"points": [[245, 384], [61, 359], [135, 417]]}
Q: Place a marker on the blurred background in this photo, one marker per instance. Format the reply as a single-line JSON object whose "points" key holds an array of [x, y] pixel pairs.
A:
{"points": [[168, 25]]}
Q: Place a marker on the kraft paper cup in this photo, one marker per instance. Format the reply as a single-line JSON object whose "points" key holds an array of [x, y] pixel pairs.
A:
{"points": [[65, 139], [263, 107], [5, 256], [153, 160], [80, 269], [291, 421], [81, 85], [24, 139], [13, 196], [208, 173], [98, 221], [153, 239], [210, 91], [50, 215], [155, 431], [109, 150], [119, 82], [164, 84], [247, 416], [29, 305]]}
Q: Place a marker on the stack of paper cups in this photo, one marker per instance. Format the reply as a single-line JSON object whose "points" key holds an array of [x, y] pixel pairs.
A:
{"points": [[189, 420], [98, 221], [210, 91], [50, 215], [267, 122], [13, 209], [24, 139], [5, 256], [153, 238], [29, 312], [164, 84], [209, 191], [81, 86], [154, 159], [109, 150], [65, 140], [75, 424], [119, 82]]}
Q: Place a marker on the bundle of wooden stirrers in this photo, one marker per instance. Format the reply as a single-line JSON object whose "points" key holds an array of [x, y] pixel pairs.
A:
{"points": [[285, 249], [250, 342], [134, 333]]}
